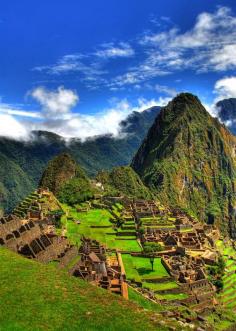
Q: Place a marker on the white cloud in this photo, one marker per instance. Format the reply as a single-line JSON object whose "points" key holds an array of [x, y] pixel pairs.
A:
{"points": [[55, 103], [225, 88], [57, 116], [110, 50], [11, 110], [12, 121], [209, 46], [12, 128], [166, 90], [82, 126], [90, 71]]}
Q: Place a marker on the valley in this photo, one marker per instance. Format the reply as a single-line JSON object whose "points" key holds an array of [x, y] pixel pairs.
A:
{"points": [[158, 233], [111, 242]]}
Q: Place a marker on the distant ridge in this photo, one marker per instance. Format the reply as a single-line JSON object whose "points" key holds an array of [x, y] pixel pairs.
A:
{"points": [[22, 163]]}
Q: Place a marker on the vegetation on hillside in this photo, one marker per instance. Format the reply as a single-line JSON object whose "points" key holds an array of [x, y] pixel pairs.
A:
{"points": [[58, 171], [123, 181], [25, 161], [188, 160], [14, 184], [67, 180], [40, 297], [74, 191]]}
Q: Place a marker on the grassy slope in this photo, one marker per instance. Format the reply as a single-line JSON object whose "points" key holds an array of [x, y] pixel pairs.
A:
{"points": [[39, 297]]}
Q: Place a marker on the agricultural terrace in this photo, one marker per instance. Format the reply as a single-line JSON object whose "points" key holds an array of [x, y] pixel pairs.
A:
{"points": [[139, 270], [158, 222], [228, 295], [108, 227], [98, 224]]}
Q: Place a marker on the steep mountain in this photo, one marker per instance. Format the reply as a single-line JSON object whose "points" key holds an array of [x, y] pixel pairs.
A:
{"points": [[188, 160], [123, 181], [67, 180], [30, 158], [59, 171], [227, 113], [14, 183]]}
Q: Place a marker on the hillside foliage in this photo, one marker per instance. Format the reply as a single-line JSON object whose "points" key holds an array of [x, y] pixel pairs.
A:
{"points": [[188, 160], [123, 181]]}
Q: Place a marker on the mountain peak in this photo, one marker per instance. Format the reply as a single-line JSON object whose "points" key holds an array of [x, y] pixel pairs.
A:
{"points": [[185, 103], [187, 159]]}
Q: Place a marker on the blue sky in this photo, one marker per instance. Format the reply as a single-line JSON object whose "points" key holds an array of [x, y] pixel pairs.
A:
{"points": [[79, 67]]}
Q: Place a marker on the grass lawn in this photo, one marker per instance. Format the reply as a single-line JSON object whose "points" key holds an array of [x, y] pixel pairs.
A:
{"points": [[39, 297], [127, 245], [139, 268], [160, 286]]}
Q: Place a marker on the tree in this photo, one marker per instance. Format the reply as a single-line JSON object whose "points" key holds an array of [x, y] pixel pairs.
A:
{"points": [[149, 250]]}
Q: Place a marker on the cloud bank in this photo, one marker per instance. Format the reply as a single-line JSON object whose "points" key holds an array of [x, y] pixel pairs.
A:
{"points": [[225, 88], [57, 115]]}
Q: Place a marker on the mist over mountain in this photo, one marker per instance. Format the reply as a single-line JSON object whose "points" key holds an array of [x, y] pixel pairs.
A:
{"points": [[29, 158]]}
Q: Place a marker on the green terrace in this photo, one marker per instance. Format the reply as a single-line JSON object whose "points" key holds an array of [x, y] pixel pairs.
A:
{"points": [[22, 208], [139, 271], [158, 221], [228, 294], [98, 224]]}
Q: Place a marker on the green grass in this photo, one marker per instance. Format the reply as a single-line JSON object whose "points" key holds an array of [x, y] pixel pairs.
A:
{"points": [[139, 268], [127, 245], [170, 297], [160, 286], [141, 301], [39, 297], [228, 294], [104, 232]]}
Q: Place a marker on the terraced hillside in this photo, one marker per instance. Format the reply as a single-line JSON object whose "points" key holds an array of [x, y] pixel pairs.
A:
{"points": [[228, 295], [35, 202], [39, 297], [96, 224]]}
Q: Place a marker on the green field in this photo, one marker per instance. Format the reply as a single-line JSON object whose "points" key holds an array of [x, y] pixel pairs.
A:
{"points": [[39, 297], [139, 268], [96, 224]]}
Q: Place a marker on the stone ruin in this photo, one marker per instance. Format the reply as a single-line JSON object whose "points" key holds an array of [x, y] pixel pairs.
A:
{"points": [[146, 208], [97, 267], [190, 273], [30, 240]]}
